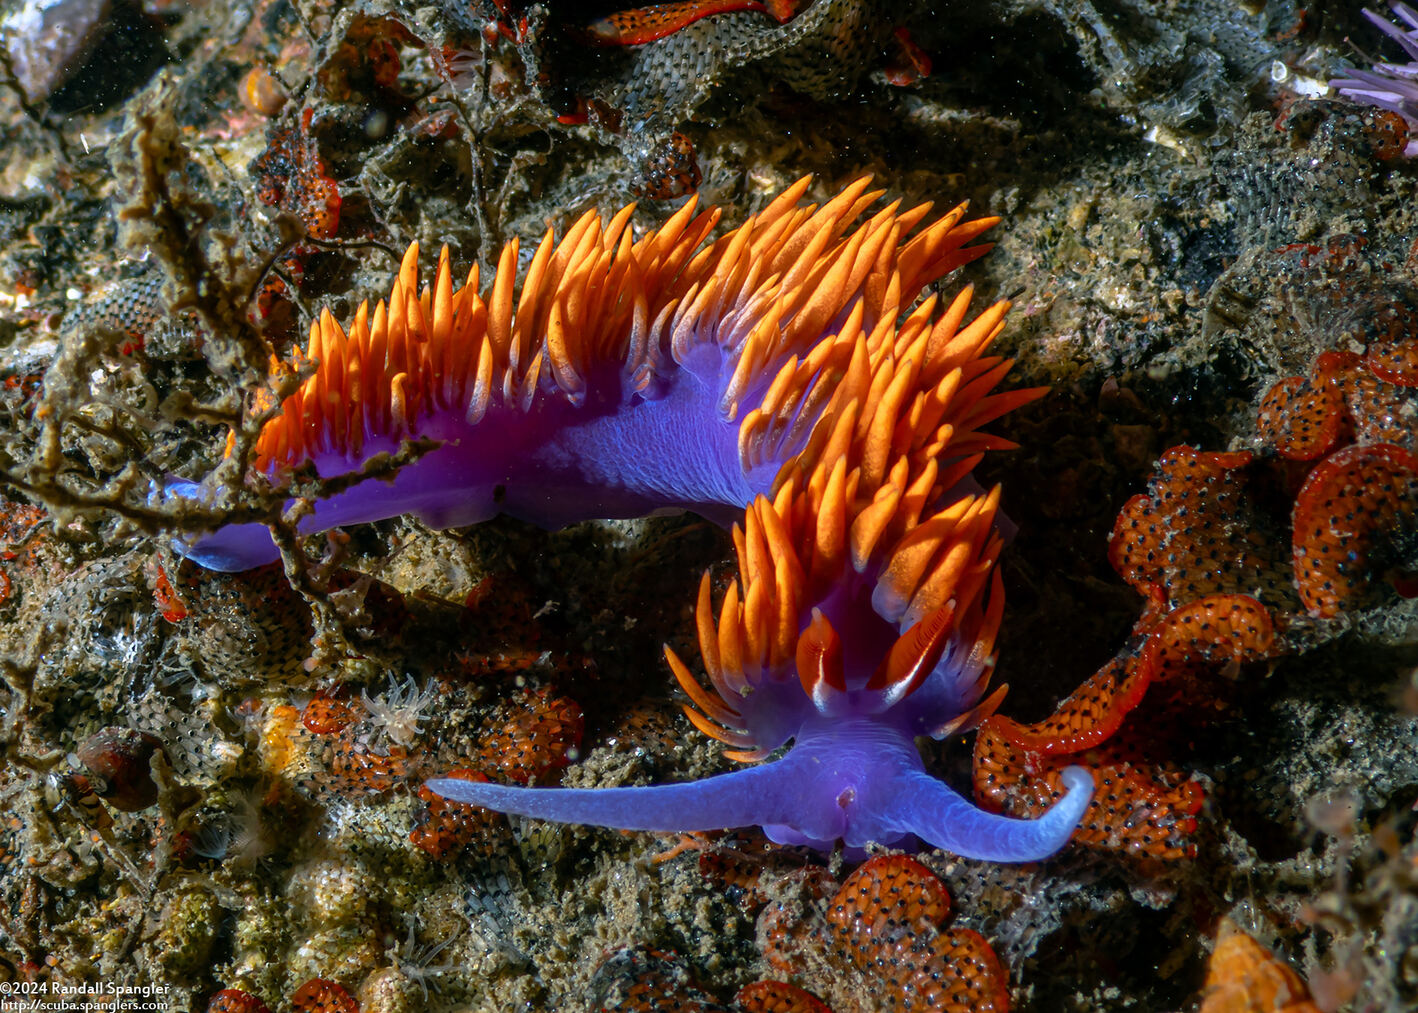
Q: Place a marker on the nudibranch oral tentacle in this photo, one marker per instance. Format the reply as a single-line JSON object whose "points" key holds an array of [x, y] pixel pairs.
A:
{"points": [[785, 370], [815, 796]]}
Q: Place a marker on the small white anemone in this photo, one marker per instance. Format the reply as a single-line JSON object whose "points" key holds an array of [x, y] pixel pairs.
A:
{"points": [[398, 714]]}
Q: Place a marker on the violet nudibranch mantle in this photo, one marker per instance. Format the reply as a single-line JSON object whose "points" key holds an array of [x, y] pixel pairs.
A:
{"points": [[786, 370]]}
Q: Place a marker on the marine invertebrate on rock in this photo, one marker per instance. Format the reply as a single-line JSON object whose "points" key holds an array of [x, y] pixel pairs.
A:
{"points": [[399, 713], [1345, 544], [292, 175], [444, 828], [1244, 977], [881, 942], [885, 944], [1142, 806], [1352, 515], [1390, 86], [133, 306], [640, 25], [321, 995], [358, 769], [501, 636], [669, 170], [778, 997], [239, 627], [119, 761], [1242, 555], [781, 671], [236, 1000], [1174, 544], [639, 978], [20, 523], [776, 357], [326, 715], [538, 739], [542, 736], [554, 410]]}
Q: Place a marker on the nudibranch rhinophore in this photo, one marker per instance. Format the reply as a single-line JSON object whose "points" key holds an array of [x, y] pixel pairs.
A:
{"points": [[781, 369]]}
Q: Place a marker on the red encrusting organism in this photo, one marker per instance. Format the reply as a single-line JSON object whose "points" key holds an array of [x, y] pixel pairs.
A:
{"points": [[1354, 509], [326, 715], [1242, 556], [879, 941], [322, 995], [235, 1000], [640, 25], [442, 829], [1116, 725]]}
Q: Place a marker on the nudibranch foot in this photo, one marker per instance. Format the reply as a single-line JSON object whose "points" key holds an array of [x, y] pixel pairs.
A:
{"points": [[851, 781], [232, 547]]}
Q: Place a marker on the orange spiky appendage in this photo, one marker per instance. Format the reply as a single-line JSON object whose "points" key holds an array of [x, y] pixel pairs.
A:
{"points": [[632, 375]]}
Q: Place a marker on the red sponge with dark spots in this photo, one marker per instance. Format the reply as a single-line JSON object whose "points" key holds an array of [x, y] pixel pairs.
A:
{"points": [[321, 995], [1303, 417], [886, 920], [1355, 509], [235, 1000], [1203, 528], [1117, 725], [444, 827], [778, 997]]}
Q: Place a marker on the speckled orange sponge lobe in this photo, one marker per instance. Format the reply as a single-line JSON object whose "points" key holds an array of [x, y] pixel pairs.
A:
{"points": [[1392, 349], [1345, 399], [1198, 531], [235, 1000], [640, 25], [442, 829], [886, 920], [882, 936], [1351, 516], [1303, 417], [322, 995], [778, 997], [1143, 806], [1209, 634], [537, 740]]}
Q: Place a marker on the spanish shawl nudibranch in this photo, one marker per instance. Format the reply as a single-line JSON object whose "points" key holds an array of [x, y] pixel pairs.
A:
{"points": [[772, 368]]}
